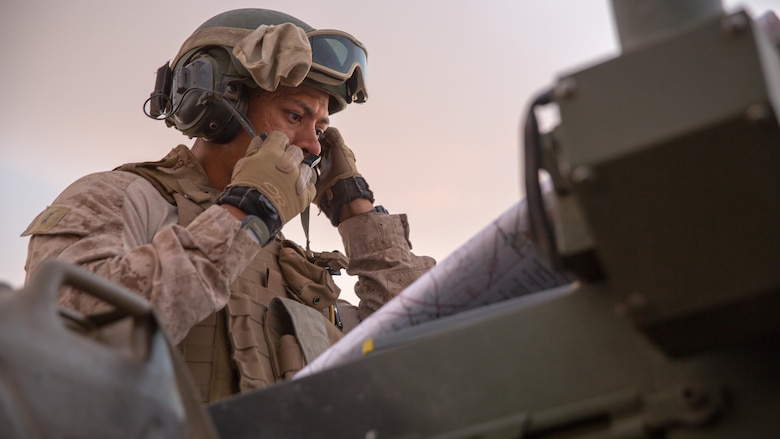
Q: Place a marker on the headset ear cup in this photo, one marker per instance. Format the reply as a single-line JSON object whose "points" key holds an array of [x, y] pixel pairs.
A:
{"points": [[223, 124], [191, 84], [202, 91]]}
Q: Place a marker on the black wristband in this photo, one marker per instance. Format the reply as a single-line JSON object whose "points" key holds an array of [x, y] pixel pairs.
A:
{"points": [[252, 202], [345, 191]]}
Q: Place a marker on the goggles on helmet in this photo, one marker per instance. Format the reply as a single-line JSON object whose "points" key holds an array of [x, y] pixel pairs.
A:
{"points": [[338, 58]]}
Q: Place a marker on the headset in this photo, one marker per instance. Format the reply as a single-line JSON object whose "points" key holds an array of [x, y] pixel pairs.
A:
{"points": [[202, 96]]}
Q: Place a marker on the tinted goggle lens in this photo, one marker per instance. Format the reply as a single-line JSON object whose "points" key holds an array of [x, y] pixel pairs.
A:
{"points": [[338, 55]]}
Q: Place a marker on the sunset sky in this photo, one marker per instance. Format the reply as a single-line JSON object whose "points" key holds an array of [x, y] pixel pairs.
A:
{"points": [[448, 82]]}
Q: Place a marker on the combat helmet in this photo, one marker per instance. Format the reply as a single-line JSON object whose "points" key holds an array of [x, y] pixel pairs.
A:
{"points": [[204, 90]]}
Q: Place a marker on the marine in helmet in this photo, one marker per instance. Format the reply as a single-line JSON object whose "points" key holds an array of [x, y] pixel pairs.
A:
{"points": [[198, 233]]}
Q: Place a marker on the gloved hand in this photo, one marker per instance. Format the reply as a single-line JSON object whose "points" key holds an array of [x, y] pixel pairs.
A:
{"points": [[276, 169], [339, 181]]}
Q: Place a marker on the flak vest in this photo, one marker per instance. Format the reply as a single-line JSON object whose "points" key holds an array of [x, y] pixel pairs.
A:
{"points": [[255, 339]]}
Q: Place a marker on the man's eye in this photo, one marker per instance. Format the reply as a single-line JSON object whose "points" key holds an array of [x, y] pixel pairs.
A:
{"points": [[295, 116]]}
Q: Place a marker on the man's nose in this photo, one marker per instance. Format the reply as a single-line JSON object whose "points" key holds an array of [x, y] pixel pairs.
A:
{"points": [[309, 142]]}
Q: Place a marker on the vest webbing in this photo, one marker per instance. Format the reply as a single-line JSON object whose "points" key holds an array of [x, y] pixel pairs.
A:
{"points": [[240, 329]]}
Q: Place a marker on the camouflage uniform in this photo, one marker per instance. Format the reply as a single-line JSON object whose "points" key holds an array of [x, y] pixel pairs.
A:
{"points": [[209, 282]]}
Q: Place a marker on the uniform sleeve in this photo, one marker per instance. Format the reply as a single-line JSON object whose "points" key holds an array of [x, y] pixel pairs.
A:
{"points": [[380, 254], [116, 225]]}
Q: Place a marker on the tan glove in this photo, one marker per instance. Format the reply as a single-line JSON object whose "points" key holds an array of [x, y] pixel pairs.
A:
{"points": [[338, 163], [276, 169], [338, 166]]}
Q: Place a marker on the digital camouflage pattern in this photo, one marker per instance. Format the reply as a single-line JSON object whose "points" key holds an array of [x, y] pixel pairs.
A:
{"points": [[121, 226]]}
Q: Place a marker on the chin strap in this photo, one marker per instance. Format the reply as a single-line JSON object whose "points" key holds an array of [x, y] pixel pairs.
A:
{"points": [[305, 224]]}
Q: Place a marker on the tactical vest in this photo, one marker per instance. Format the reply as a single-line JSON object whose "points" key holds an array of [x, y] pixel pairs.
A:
{"points": [[253, 341]]}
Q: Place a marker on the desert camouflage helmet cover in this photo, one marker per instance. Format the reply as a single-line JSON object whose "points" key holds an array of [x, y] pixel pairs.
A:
{"points": [[274, 48]]}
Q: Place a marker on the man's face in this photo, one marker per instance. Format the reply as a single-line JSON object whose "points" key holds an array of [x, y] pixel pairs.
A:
{"points": [[301, 113]]}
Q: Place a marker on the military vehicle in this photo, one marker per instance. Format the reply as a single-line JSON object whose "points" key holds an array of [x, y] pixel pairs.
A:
{"points": [[653, 315]]}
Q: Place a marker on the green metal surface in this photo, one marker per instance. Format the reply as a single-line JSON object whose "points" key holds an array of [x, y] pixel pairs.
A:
{"points": [[680, 192], [568, 365]]}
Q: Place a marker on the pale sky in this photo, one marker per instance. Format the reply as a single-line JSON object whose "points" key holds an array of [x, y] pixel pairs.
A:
{"points": [[448, 82]]}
